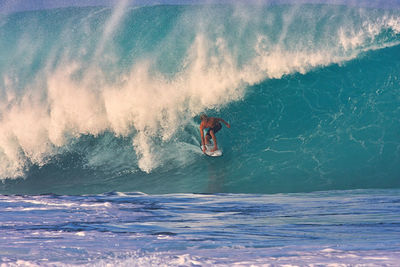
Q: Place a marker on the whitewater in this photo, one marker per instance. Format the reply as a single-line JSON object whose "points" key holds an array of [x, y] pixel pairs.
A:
{"points": [[99, 133]]}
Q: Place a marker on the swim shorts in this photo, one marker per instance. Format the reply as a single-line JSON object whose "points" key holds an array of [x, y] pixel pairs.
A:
{"points": [[216, 128]]}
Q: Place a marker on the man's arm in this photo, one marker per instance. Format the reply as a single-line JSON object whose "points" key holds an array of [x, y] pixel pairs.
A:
{"points": [[202, 137], [227, 124]]}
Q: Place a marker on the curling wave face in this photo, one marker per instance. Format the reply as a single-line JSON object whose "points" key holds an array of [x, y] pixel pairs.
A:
{"points": [[100, 99]]}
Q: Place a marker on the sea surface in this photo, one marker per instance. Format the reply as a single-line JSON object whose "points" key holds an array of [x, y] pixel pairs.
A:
{"points": [[335, 228], [99, 134]]}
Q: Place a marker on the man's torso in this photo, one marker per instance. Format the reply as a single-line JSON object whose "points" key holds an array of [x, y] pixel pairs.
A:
{"points": [[211, 123]]}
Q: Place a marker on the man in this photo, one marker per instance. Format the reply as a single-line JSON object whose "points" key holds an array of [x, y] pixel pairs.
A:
{"points": [[213, 125]]}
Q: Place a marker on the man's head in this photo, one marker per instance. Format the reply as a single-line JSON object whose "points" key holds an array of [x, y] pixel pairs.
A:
{"points": [[203, 117]]}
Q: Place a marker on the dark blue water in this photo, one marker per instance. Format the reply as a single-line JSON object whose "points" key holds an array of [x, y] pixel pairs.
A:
{"points": [[346, 227]]}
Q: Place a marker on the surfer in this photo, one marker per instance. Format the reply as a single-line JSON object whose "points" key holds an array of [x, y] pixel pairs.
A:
{"points": [[213, 125]]}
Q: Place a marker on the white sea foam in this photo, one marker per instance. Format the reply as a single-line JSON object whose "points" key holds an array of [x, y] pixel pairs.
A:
{"points": [[246, 257]]}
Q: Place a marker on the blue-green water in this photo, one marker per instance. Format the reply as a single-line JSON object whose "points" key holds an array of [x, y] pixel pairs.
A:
{"points": [[99, 99], [99, 135]]}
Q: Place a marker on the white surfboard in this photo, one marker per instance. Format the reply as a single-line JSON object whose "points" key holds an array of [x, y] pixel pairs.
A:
{"points": [[209, 147]]}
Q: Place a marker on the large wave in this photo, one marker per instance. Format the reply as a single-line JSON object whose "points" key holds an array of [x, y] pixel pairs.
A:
{"points": [[117, 90]]}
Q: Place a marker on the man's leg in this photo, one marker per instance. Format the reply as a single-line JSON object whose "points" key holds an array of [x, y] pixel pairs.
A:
{"points": [[208, 137], [214, 140]]}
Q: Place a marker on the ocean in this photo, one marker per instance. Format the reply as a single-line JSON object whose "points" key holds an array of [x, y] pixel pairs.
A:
{"points": [[99, 134]]}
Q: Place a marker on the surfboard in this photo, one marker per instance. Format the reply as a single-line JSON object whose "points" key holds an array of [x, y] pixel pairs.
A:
{"points": [[209, 147]]}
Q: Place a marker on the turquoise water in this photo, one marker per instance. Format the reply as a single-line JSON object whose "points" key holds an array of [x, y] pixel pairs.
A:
{"points": [[99, 135], [98, 99]]}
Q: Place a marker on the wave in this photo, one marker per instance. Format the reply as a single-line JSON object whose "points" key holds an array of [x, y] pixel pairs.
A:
{"points": [[110, 94]]}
